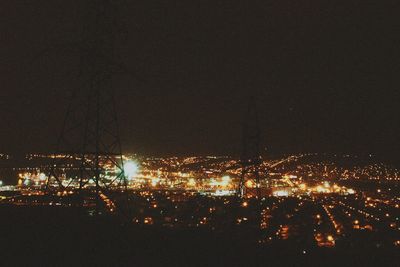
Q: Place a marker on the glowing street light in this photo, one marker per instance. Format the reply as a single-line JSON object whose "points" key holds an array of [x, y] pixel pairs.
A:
{"points": [[250, 184]]}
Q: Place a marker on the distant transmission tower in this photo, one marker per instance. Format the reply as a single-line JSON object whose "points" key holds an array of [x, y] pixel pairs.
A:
{"points": [[89, 157], [250, 158]]}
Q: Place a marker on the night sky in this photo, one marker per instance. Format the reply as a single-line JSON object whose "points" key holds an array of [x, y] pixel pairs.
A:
{"points": [[326, 74]]}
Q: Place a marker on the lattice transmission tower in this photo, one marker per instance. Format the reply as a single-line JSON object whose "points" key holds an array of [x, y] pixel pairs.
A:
{"points": [[250, 159], [89, 158]]}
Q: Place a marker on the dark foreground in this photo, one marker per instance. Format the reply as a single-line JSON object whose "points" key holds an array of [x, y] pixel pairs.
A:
{"points": [[59, 237]]}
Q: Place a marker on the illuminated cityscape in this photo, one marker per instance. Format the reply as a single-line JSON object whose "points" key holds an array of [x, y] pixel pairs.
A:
{"points": [[199, 133], [306, 198]]}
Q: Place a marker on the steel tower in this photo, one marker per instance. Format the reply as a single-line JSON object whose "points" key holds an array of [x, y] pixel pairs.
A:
{"points": [[89, 157], [250, 160]]}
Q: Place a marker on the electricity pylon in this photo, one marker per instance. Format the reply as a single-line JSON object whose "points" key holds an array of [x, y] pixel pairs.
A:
{"points": [[89, 157], [250, 159]]}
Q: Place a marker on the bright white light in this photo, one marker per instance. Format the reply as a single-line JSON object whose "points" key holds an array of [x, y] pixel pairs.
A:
{"points": [[1, 183], [223, 193], [131, 169], [226, 180], [351, 191], [281, 193], [42, 177], [155, 181]]}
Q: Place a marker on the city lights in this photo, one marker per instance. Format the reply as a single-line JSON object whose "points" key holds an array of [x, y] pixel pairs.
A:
{"points": [[163, 186]]}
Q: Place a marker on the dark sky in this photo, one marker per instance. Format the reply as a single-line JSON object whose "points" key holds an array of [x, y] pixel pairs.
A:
{"points": [[326, 74]]}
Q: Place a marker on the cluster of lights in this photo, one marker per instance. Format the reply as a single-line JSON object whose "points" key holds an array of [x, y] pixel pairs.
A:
{"points": [[366, 214], [325, 188], [28, 178], [109, 203], [335, 224], [325, 241], [224, 182]]}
